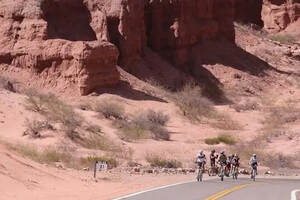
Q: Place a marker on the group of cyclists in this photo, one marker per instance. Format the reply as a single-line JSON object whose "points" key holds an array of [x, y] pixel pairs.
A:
{"points": [[228, 165]]}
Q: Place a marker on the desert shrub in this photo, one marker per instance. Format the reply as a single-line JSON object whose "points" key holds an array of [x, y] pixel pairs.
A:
{"points": [[35, 127], [158, 118], [157, 161], [273, 160], [110, 110], [131, 130], [212, 141], [93, 129], [7, 84], [278, 116], [249, 105], [49, 155], [192, 103], [283, 38], [143, 126], [224, 122], [55, 111], [226, 139], [90, 161], [92, 141], [35, 101]]}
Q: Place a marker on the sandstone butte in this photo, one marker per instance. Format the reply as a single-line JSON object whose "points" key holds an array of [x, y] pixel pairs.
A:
{"points": [[81, 42]]}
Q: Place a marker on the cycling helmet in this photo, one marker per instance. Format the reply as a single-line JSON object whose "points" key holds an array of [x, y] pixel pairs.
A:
{"points": [[222, 152], [254, 155], [235, 155], [200, 152]]}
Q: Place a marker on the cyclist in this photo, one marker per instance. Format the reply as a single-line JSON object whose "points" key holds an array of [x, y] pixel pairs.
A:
{"points": [[213, 158], [253, 163], [229, 162], [201, 159], [222, 161], [235, 162]]}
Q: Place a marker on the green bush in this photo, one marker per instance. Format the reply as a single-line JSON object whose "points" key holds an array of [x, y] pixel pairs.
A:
{"points": [[212, 141], [226, 139]]}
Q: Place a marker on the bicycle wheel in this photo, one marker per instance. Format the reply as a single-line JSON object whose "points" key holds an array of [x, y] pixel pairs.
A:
{"points": [[201, 175]]}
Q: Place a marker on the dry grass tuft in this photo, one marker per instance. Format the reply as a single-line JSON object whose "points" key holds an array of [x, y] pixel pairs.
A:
{"points": [[49, 155], [158, 161], [226, 139], [192, 103], [110, 110], [35, 127], [283, 38], [224, 122], [55, 111], [249, 105], [90, 161], [149, 124]]}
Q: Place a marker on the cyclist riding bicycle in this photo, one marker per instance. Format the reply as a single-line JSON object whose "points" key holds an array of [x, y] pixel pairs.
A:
{"points": [[213, 158], [223, 159], [253, 163], [229, 162], [201, 159], [235, 160]]}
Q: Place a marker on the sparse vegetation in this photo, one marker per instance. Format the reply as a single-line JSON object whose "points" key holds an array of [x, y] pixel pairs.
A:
{"points": [[35, 127], [55, 111], [93, 141], [158, 161], [224, 122], [110, 110], [49, 155], [146, 125], [158, 118], [90, 161], [279, 116], [226, 139], [273, 160], [283, 38], [192, 103], [7, 84], [249, 105]]}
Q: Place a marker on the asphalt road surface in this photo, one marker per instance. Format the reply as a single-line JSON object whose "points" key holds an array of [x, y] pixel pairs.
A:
{"points": [[242, 189]]}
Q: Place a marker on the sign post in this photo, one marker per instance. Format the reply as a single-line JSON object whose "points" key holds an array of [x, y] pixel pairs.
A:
{"points": [[100, 166]]}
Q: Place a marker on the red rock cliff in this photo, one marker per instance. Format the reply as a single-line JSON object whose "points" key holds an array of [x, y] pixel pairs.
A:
{"points": [[72, 41], [278, 14]]}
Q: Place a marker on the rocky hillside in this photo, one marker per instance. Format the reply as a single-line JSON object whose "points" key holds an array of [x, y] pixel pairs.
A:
{"points": [[78, 44]]}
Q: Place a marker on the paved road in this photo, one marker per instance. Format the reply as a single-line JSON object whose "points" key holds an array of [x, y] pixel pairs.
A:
{"points": [[242, 189]]}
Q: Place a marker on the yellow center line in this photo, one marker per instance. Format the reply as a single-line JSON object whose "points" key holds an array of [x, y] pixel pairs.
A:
{"points": [[227, 191]]}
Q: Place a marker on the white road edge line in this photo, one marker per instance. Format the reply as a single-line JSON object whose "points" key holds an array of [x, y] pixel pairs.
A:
{"points": [[153, 189], [293, 194]]}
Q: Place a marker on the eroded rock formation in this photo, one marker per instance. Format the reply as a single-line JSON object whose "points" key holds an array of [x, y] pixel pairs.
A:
{"points": [[60, 39], [82, 41], [278, 14]]}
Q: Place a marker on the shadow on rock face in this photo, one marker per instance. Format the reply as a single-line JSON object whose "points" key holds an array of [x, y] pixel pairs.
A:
{"points": [[123, 89], [69, 20]]}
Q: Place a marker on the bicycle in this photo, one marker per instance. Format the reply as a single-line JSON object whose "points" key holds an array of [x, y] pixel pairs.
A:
{"points": [[234, 172], [200, 172], [213, 171], [253, 172], [222, 172]]}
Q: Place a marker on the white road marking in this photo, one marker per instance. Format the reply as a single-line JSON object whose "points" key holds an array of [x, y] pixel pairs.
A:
{"points": [[294, 194], [153, 189]]}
